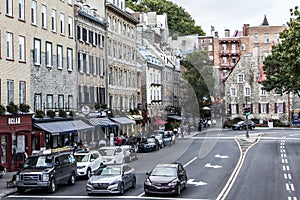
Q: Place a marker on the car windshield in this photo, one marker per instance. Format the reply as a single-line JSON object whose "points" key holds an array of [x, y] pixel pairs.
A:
{"points": [[82, 157], [241, 122], [164, 171], [151, 140], [106, 152], [108, 171], [38, 162]]}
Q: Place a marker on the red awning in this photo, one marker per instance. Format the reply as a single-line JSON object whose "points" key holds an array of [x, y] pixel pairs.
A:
{"points": [[262, 75], [158, 121]]}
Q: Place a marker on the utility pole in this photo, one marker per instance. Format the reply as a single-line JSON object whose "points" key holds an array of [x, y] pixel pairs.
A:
{"points": [[247, 113]]}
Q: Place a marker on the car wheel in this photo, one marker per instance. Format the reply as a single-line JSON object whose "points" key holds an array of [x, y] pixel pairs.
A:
{"points": [[88, 173], [121, 189], [20, 191], [52, 186], [72, 179]]}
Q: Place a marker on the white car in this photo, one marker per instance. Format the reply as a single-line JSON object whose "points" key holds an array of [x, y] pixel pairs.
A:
{"points": [[112, 155], [87, 162]]}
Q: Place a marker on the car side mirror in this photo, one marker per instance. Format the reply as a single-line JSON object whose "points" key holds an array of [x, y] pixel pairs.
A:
{"points": [[147, 173]]}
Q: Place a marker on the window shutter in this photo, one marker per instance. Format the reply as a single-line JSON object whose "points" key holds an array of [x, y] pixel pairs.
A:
{"points": [[275, 107], [251, 108], [283, 107], [259, 108], [237, 108], [267, 107], [229, 108]]}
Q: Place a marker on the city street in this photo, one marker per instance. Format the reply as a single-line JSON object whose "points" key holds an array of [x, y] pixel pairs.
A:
{"points": [[269, 169]]}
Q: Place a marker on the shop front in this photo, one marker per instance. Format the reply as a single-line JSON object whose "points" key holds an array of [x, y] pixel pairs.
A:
{"points": [[17, 140]]}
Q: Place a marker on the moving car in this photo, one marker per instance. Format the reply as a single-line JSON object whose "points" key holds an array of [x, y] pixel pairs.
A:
{"points": [[242, 125], [87, 162], [46, 170], [169, 178], [130, 153], [111, 179], [112, 155], [149, 144]]}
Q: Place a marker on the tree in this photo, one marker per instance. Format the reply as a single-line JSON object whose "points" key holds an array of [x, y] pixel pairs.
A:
{"points": [[179, 21], [282, 67], [199, 79]]}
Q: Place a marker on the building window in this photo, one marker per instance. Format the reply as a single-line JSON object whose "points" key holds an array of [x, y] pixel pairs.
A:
{"points": [[59, 57], [276, 37], [233, 92], [263, 92], [240, 78], [247, 91], [44, 17], [256, 38], [37, 102], [21, 10], [10, 91], [60, 101], [70, 26], [9, 7], [224, 60], [266, 38], [62, 23], [70, 2], [49, 53], [22, 49], [224, 48], [70, 102], [263, 108], [70, 59], [33, 13], [53, 21], [234, 109], [22, 92], [50, 101], [280, 107], [243, 47], [9, 46], [37, 51]]}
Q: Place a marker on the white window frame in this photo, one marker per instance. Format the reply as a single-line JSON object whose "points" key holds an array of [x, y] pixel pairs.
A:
{"points": [[70, 59], [33, 13], [22, 49], [279, 107], [70, 27], [9, 46], [247, 91], [233, 109], [60, 101], [240, 78], [256, 38], [70, 102], [49, 101], [263, 108], [9, 7], [276, 37], [266, 38], [95, 65], [37, 51], [53, 21], [22, 92], [233, 92], [62, 23], [37, 102], [263, 92], [44, 17], [21, 9], [10, 91], [243, 47], [49, 54], [60, 56]]}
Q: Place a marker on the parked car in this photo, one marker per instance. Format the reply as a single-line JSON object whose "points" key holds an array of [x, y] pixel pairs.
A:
{"points": [[159, 137], [169, 137], [168, 178], [87, 162], [149, 144], [130, 153], [46, 170], [243, 124], [112, 155], [111, 179]]}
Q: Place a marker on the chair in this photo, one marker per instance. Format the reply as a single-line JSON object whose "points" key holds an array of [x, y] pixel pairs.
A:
{"points": [[11, 183]]}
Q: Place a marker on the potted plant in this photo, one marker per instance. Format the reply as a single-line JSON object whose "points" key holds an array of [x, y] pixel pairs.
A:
{"points": [[39, 114], [24, 107], [51, 113], [12, 108], [2, 109], [62, 113]]}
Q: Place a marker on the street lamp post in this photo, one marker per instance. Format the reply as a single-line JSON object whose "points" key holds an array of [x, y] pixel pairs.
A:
{"points": [[247, 134]]}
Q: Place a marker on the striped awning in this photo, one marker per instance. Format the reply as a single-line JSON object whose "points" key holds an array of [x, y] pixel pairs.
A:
{"points": [[123, 120], [103, 122]]}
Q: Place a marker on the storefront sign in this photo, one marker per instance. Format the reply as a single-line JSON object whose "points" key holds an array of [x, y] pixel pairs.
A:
{"points": [[14, 120]]}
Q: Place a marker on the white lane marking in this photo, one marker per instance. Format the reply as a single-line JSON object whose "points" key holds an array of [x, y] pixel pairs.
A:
{"points": [[290, 187], [285, 168], [292, 198], [190, 162], [209, 165], [199, 183], [219, 156], [283, 155], [284, 161], [287, 176]]}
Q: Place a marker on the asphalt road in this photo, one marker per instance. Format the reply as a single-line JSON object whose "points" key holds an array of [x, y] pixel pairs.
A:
{"points": [[268, 171]]}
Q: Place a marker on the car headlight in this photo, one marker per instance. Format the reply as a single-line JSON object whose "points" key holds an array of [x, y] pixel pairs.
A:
{"points": [[148, 182], [45, 177], [173, 183], [114, 182]]}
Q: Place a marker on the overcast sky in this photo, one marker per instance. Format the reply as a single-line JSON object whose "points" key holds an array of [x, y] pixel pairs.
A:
{"points": [[232, 14]]}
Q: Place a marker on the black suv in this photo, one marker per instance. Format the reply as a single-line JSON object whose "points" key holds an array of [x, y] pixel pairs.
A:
{"points": [[46, 170]]}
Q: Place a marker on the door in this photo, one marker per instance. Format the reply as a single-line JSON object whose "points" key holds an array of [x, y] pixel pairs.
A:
{"points": [[3, 150]]}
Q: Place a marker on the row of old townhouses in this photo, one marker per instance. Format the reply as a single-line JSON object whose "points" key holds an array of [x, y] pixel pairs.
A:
{"points": [[80, 71], [238, 68]]}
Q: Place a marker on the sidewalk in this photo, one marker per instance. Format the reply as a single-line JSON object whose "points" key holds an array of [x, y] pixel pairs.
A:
{"points": [[3, 189]]}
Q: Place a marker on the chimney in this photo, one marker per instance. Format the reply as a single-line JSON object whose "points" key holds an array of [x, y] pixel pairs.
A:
{"points": [[245, 29], [227, 33], [216, 34]]}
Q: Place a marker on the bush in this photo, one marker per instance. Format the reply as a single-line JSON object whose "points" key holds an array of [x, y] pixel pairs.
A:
{"points": [[2, 109], [51, 113], [12, 108], [62, 113], [72, 113], [24, 107], [39, 114]]}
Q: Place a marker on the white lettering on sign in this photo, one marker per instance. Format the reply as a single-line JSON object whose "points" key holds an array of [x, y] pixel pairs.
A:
{"points": [[15, 120]]}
